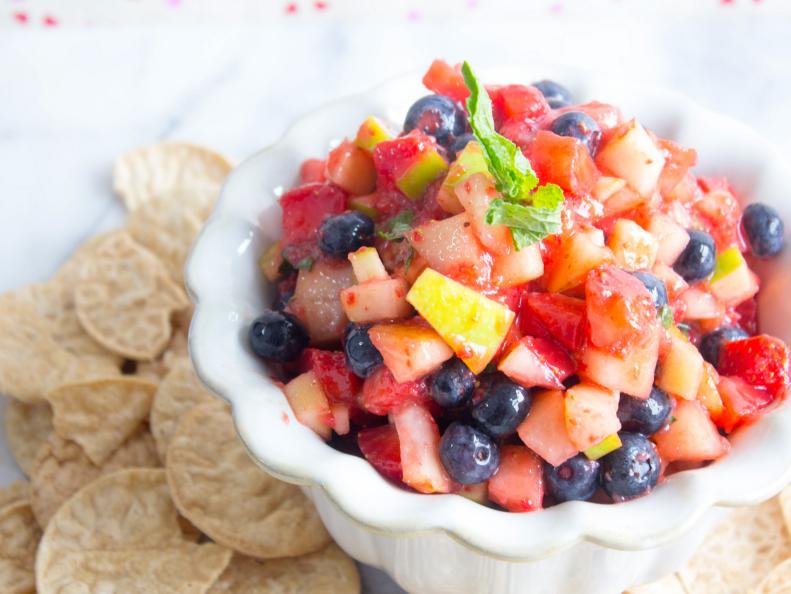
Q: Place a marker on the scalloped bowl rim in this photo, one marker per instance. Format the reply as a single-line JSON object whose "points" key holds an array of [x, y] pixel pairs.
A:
{"points": [[758, 466]]}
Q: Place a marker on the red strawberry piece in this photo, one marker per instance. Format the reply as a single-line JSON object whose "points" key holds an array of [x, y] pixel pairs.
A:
{"points": [[562, 316], [306, 207], [382, 393], [340, 385], [761, 361], [381, 448]]}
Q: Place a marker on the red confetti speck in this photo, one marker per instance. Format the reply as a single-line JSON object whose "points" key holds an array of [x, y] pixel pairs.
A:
{"points": [[413, 15], [21, 18], [284, 418], [291, 8], [320, 5], [49, 21], [556, 8], [726, 2]]}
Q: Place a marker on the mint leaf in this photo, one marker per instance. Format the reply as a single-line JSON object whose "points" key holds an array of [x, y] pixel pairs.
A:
{"points": [[666, 316], [547, 196], [528, 224], [395, 228], [409, 258], [304, 264]]}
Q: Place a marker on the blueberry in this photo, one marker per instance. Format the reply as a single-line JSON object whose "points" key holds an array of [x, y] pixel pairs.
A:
{"points": [[580, 126], [644, 416], [345, 233], [555, 94], [764, 229], [453, 384], [574, 480], [632, 470], [655, 286], [458, 145], [469, 455], [503, 407], [711, 344], [437, 116], [697, 260], [361, 354], [277, 336]]}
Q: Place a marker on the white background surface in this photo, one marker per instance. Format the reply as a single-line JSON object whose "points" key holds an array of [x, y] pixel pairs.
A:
{"points": [[72, 98]]}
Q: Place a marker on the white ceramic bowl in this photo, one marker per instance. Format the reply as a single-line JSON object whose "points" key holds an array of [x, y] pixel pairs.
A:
{"points": [[445, 543]]}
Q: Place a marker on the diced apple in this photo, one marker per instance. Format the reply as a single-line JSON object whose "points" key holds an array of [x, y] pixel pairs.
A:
{"points": [[340, 416], [316, 300], [518, 485], [429, 167], [607, 187], [544, 429], [691, 436], [733, 281], [468, 162], [365, 204], [671, 237], [604, 447], [478, 492], [309, 403], [271, 261], [678, 160], [634, 248], [367, 265], [741, 402], [537, 362], [708, 394], [681, 369], [578, 254], [377, 300], [631, 373], [631, 154], [371, 132], [624, 200], [418, 436], [700, 305], [472, 324], [591, 414], [674, 282], [518, 267], [409, 351], [351, 168], [476, 194]]}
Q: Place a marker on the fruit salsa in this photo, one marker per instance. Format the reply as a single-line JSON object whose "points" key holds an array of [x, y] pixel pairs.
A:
{"points": [[519, 298]]}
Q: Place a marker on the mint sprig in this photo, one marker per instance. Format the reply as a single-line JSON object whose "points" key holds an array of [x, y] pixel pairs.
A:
{"points": [[394, 229], [530, 212]]}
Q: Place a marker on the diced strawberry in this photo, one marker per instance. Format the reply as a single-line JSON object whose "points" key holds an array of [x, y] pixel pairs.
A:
{"points": [[410, 351], [562, 316], [341, 418], [747, 312], [381, 448], [444, 79], [591, 414], [544, 429], [537, 362], [306, 207], [721, 213], [607, 116], [404, 158], [690, 436], [709, 184], [518, 485], [340, 385], [382, 393], [678, 160], [512, 101], [418, 437], [741, 402], [761, 361], [563, 160], [519, 130], [312, 171]]}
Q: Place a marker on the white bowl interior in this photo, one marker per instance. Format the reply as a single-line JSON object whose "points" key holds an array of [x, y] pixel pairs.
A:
{"points": [[223, 278]]}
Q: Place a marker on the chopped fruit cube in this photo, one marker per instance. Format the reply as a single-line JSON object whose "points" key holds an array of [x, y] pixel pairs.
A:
{"points": [[733, 281], [371, 132], [337, 381], [537, 362], [604, 447], [708, 394], [741, 402], [690, 436], [722, 212], [271, 261], [623, 201], [479, 492], [631, 154], [578, 254], [544, 429], [473, 325], [700, 305], [468, 162], [523, 101], [444, 79], [565, 161], [376, 300], [681, 370], [475, 195], [367, 265], [518, 485], [414, 181], [631, 373], [306, 207], [674, 282], [761, 361], [562, 316], [340, 418], [591, 414], [678, 160], [418, 436], [450, 247], [381, 448], [312, 171], [634, 248], [671, 237], [409, 163], [518, 267], [365, 204], [352, 169], [382, 394], [606, 187], [316, 299], [310, 404], [409, 351]]}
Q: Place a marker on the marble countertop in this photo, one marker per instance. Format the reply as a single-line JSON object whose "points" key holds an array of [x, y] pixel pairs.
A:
{"points": [[74, 98]]}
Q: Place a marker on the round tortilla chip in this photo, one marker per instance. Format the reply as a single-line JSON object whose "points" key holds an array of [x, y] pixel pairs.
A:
{"points": [[27, 427], [218, 488], [16, 492], [179, 391], [194, 171], [125, 299], [329, 571], [19, 537], [62, 468], [739, 552], [777, 582], [100, 415]]}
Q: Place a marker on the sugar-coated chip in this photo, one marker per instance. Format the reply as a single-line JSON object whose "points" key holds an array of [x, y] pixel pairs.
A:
{"points": [[777, 582], [15, 492], [739, 552], [27, 427], [194, 171], [19, 537], [99, 415], [667, 585], [62, 468], [329, 571], [125, 299], [179, 391], [217, 486]]}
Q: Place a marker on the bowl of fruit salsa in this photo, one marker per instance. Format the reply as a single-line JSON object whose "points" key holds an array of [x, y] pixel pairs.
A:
{"points": [[506, 328]]}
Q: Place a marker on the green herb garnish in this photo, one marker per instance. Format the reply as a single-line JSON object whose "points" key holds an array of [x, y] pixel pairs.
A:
{"points": [[305, 263], [410, 257], [394, 229], [665, 315]]}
